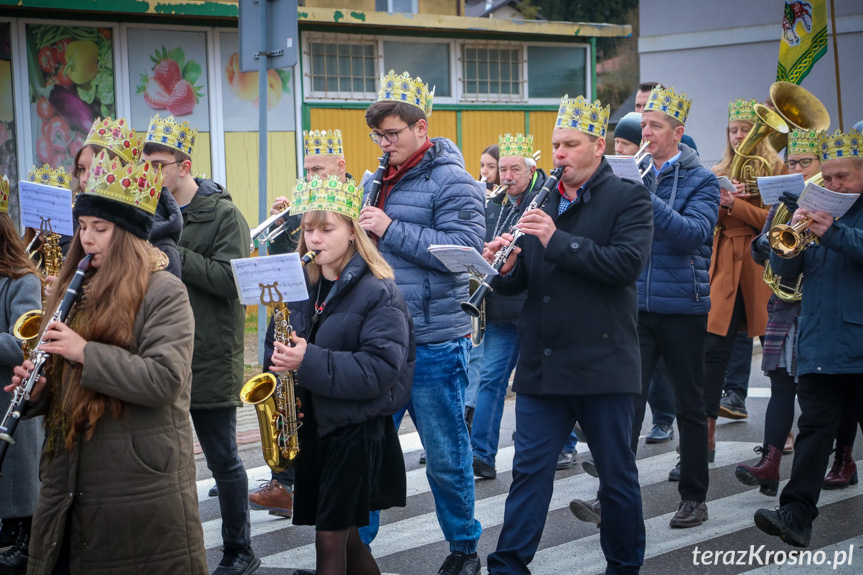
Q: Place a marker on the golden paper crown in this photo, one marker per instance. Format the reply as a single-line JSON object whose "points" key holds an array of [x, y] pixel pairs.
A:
{"points": [[519, 146], [323, 143], [580, 114], [4, 194], [137, 185], [117, 136], [804, 142], [329, 194], [668, 102], [839, 145], [46, 175], [405, 89], [169, 133], [742, 110]]}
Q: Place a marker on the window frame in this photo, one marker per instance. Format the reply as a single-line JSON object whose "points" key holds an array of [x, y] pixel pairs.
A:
{"points": [[496, 99], [451, 99], [414, 7], [310, 95], [588, 76]]}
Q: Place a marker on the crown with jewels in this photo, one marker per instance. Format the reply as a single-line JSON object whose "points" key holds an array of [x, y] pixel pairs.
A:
{"points": [[323, 143], [804, 142], [742, 110], [4, 194], [117, 136], [519, 145], [580, 114], [169, 133], [329, 194], [406, 89], [668, 102], [841, 145], [137, 185], [50, 177]]}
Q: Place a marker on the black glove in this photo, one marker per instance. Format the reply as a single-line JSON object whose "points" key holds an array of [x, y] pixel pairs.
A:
{"points": [[790, 201], [761, 246]]}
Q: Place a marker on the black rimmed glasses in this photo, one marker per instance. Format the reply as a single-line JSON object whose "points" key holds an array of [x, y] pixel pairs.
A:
{"points": [[161, 165], [392, 136], [804, 163]]}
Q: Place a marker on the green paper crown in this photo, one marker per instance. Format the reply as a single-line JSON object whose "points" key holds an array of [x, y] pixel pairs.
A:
{"points": [[804, 142], [742, 110], [329, 194], [519, 146]]}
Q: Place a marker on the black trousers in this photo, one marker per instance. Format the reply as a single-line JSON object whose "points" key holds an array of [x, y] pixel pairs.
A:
{"points": [[780, 409], [679, 340], [822, 399], [717, 353]]}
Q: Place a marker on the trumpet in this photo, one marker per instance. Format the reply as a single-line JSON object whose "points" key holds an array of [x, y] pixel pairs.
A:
{"points": [[640, 156], [788, 241], [269, 229], [472, 306]]}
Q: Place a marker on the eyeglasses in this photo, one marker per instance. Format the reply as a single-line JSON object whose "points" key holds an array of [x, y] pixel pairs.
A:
{"points": [[804, 163], [158, 164], [391, 137]]}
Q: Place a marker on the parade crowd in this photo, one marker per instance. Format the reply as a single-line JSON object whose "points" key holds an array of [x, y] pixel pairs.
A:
{"points": [[613, 293]]}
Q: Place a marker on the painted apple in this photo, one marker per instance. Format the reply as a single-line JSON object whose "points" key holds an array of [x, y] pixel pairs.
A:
{"points": [[82, 61]]}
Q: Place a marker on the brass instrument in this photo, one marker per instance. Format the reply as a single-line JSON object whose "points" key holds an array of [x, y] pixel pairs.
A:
{"points": [[799, 108], [270, 229], [746, 168], [478, 322], [26, 329], [273, 395], [640, 156], [788, 241]]}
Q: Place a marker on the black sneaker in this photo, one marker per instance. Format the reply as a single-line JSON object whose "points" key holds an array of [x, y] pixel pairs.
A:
{"points": [[423, 457], [238, 562], [732, 406], [483, 469], [587, 511], [590, 467], [213, 492], [781, 523], [14, 561], [674, 474], [9, 529], [460, 564]]}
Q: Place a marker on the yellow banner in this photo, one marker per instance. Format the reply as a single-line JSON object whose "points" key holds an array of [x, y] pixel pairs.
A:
{"points": [[804, 38]]}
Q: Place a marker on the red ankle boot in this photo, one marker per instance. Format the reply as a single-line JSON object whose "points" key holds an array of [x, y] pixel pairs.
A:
{"points": [[844, 470], [765, 473]]}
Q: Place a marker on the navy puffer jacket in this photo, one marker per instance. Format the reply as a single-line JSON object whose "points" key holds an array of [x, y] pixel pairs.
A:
{"points": [[685, 200], [436, 202]]}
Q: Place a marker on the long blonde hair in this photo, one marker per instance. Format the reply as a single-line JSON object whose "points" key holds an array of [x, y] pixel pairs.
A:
{"points": [[763, 150], [362, 245]]}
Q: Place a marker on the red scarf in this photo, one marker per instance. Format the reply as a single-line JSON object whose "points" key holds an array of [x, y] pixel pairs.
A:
{"points": [[393, 174]]}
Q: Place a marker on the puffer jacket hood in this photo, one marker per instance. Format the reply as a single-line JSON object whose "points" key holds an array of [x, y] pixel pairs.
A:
{"points": [[167, 229]]}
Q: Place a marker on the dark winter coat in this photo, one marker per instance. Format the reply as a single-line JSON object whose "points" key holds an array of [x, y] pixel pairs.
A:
{"points": [[685, 202], [214, 233], [166, 231], [436, 202], [499, 307], [830, 337], [361, 364], [577, 333]]}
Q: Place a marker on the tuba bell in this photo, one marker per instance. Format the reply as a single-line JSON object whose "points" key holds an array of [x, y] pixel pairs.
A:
{"points": [[26, 330], [799, 108]]}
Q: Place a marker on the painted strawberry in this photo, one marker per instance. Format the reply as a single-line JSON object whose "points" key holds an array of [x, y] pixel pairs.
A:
{"points": [[167, 70], [154, 95], [183, 99]]}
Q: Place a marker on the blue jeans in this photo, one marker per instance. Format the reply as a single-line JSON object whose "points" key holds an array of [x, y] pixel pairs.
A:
{"points": [[569, 446], [542, 426], [437, 409], [499, 359], [473, 374], [217, 433], [660, 396]]}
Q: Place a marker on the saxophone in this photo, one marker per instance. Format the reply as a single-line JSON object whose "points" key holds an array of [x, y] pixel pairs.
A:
{"points": [[274, 395]]}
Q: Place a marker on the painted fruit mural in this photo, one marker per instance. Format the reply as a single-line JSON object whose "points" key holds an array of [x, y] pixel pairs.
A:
{"points": [[171, 83]]}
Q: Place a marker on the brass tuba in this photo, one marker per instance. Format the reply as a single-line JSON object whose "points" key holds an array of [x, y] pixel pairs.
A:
{"points": [[274, 396], [26, 330], [746, 168], [799, 108]]}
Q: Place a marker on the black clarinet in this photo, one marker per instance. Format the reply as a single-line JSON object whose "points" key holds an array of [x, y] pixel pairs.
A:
{"points": [[376, 186], [21, 395], [471, 306]]}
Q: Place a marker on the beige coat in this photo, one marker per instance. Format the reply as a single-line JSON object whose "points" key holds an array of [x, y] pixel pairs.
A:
{"points": [[128, 495]]}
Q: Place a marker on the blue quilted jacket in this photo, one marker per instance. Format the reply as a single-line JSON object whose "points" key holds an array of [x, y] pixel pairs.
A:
{"points": [[436, 202], [685, 200]]}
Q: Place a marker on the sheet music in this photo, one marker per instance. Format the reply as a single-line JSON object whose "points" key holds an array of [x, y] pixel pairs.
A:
{"points": [[726, 184], [772, 187], [286, 269], [39, 202], [461, 259], [815, 198], [624, 167]]}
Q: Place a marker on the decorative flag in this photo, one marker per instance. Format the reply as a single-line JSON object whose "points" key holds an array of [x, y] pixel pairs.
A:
{"points": [[804, 38]]}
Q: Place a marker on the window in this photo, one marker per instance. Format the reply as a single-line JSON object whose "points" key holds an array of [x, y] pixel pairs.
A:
{"points": [[342, 67], [407, 6], [8, 127], [429, 61], [553, 71], [492, 73]]}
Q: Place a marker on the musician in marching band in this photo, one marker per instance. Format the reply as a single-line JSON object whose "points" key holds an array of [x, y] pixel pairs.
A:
{"points": [[518, 172], [578, 358], [118, 468], [353, 354], [829, 343], [428, 198], [214, 233], [673, 290], [20, 288]]}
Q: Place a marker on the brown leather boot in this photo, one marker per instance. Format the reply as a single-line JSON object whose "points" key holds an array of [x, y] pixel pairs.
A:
{"points": [[711, 439], [844, 470], [274, 497], [765, 473]]}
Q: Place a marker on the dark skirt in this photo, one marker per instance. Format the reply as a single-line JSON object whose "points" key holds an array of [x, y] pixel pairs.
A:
{"points": [[342, 476]]}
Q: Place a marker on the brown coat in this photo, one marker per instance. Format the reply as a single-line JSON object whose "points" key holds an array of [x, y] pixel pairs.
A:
{"points": [[732, 268], [128, 495]]}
